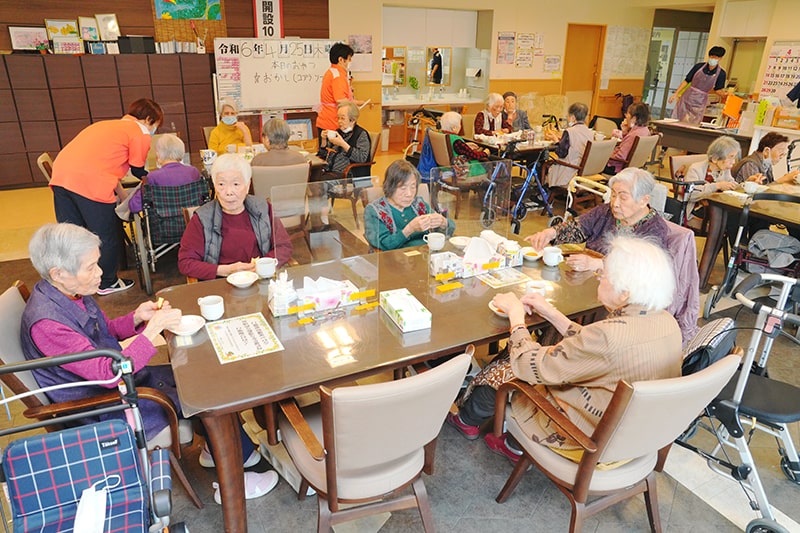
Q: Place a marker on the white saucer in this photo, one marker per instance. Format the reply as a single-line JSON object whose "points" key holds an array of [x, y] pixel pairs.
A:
{"points": [[497, 311], [190, 324], [529, 254], [459, 242]]}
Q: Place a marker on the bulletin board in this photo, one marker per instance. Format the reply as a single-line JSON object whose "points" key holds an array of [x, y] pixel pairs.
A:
{"points": [[276, 74], [626, 52], [783, 69]]}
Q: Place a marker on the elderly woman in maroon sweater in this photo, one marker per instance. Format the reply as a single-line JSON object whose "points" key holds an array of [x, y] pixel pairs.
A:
{"points": [[225, 234]]}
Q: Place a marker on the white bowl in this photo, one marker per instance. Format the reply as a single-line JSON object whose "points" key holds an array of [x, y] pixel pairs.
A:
{"points": [[242, 279], [496, 310], [190, 324], [529, 254], [459, 242]]}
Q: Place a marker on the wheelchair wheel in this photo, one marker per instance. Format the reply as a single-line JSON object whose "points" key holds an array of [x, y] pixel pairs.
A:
{"points": [[554, 221], [488, 217], [522, 212], [515, 226], [764, 525], [711, 300], [791, 475]]}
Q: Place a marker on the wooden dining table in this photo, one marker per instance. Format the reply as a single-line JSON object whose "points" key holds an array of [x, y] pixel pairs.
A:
{"points": [[340, 345], [722, 205]]}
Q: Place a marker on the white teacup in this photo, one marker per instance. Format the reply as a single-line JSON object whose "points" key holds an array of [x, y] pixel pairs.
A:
{"points": [[435, 241], [552, 256], [536, 286], [332, 134], [211, 307], [231, 148], [750, 187], [599, 136], [265, 266]]}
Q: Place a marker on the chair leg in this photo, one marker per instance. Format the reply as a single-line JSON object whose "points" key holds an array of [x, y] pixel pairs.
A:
{"points": [[576, 520], [651, 502], [177, 469], [303, 490], [323, 516], [514, 478], [423, 504]]}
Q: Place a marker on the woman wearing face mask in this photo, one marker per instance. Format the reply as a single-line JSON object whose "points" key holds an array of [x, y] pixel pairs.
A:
{"points": [[758, 166], [87, 174], [702, 79], [230, 129], [335, 90]]}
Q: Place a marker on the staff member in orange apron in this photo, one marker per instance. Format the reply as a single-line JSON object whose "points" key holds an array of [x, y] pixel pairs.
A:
{"points": [[702, 79]]}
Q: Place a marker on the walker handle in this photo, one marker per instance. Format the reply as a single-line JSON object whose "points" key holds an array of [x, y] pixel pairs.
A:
{"points": [[752, 281]]}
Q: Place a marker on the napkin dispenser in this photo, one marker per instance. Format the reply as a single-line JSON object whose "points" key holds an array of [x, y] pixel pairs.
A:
{"points": [[480, 257], [405, 310], [281, 295], [326, 293], [445, 263]]}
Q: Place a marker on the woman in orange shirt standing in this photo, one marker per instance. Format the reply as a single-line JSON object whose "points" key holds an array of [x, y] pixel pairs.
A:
{"points": [[335, 89], [87, 175]]}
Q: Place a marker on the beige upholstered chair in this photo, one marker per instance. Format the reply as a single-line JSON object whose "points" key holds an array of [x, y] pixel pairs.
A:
{"points": [[45, 164], [376, 440], [638, 427], [290, 205], [442, 151], [468, 125], [605, 126], [265, 178], [453, 184], [679, 164], [352, 190], [207, 133], [641, 151], [12, 305], [594, 160]]}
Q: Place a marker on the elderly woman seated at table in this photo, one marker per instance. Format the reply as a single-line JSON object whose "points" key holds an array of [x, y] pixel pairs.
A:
{"points": [[571, 145], [638, 341], [400, 218], [722, 153], [61, 317], [463, 151], [758, 166], [230, 130], [225, 234], [275, 137], [490, 120], [171, 171], [637, 116], [513, 119]]}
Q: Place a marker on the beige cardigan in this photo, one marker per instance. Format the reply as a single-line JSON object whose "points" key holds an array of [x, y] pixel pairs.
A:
{"points": [[580, 373]]}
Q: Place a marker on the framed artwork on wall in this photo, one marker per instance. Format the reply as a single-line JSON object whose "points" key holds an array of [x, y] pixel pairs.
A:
{"points": [[89, 30], [28, 38], [108, 26], [61, 28], [69, 44]]}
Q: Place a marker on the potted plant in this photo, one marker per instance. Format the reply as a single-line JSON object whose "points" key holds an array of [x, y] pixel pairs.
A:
{"points": [[414, 84]]}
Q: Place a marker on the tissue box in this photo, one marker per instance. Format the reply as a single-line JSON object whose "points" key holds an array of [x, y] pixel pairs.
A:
{"points": [[405, 310], [336, 296], [445, 262], [473, 269]]}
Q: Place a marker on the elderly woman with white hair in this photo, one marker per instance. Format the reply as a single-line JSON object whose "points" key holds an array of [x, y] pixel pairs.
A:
{"points": [[451, 123], [628, 211], [275, 136], [230, 129], [490, 120], [171, 171], [639, 340], [722, 153], [225, 234]]}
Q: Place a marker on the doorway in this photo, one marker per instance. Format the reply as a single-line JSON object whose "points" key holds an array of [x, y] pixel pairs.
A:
{"points": [[673, 52], [582, 59]]}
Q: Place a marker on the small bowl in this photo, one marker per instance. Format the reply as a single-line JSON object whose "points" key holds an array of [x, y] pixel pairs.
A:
{"points": [[459, 242], [496, 310], [242, 279], [529, 254], [190, 324]]}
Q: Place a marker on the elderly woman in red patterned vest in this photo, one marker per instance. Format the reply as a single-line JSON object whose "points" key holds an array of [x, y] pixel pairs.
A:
{"points": [[400, 218]]}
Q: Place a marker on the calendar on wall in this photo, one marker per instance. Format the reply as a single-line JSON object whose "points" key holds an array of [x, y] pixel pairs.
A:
{"points": [[783, 69]]}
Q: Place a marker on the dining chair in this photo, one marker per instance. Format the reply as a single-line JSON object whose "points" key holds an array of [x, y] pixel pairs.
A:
{"points": [[289, 203], [457, 182], [188, 213], [376, 440], [45, 164], [354, 184], [207, 133], [630, 444], [39, 407], [468, 125], [265, 178], [640, 152], [594, 161], [606, 126]]}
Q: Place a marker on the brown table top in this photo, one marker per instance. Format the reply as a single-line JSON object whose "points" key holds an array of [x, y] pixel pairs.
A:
{"points": [[782, 212], [460, 317]]}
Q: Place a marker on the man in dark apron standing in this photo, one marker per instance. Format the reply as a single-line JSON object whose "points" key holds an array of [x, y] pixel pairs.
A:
{"points": [[701, 80]]}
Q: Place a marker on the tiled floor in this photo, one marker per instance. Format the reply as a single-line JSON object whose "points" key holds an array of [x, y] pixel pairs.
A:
{"points": [[468, 476]]}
